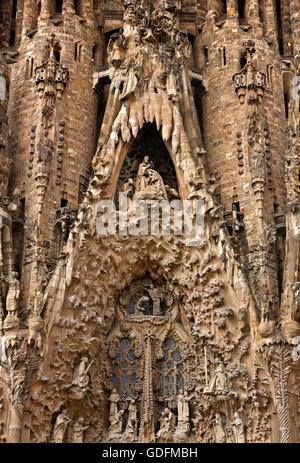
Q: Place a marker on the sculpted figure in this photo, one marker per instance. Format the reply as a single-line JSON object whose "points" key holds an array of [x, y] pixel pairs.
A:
{"points": [[218, 380], [12, 299], [140, 308], [238, 429], [219, 429], [60, 427], [81, 377], [183, 425], [45, 147], [116, 423], [78, 430], [129, 187], [113, 409], [166, 430], [155, 295], [149, 183], [183, 407], [131, 427]]}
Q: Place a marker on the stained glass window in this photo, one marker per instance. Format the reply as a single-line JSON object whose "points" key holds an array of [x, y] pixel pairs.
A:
{"points": [[124, 369], [170, 370]]}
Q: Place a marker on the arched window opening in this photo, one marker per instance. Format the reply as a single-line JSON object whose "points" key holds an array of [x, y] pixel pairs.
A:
{"points": [[77, 7], [205, 53], [29, 68], [270, 70], [243, 62], [286, 78], [224, 6], [242, 11], [78, 52], [279, 26], [223, 56], [58, 6], [57, 55], [63, 202], [14, 9], [94, 51], [12, 38]]}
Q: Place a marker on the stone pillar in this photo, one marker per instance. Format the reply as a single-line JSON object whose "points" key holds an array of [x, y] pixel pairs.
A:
{"points": [[271, 22], [286, 29], [15, 424], [232, 7], [295, 22], [68, 6], [253, 12], [87, 7], [30, 16], [5, 19], [46, 9]]}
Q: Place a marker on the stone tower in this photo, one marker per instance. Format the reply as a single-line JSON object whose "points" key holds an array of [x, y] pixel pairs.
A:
{"points": [[156, 337]]}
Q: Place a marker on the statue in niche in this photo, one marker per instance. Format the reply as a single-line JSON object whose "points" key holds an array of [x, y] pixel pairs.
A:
{"points": [[116, 423], [114, 399], [183, 407], [149, 184], [78, 430], [147, 301], [238, 429], [155, 296], [128, 188], [140, 305], [219, 429], [131, 427], [13, 294], [80, 375], [45, 147], [167, 426], [183, 425], [60, 427], [218, 382]]}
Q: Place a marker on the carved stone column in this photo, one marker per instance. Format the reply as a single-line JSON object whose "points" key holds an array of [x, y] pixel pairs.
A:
{"points": [[15, 424], [29, 16], [295, 23], [147, 433], [68, 6], [275, 365], [270, 20], [254, 13], [46, 9]]}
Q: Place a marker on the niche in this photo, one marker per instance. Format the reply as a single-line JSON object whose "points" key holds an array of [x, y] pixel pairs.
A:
{"points": [[242, 11], [58, 6], [286, 82], [14, 9], [78, 52]]}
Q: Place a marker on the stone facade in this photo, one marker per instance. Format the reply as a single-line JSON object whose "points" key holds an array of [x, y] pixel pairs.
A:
{"points": [[123, 338]]}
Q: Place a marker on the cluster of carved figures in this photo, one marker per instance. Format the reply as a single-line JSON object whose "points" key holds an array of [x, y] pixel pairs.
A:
{"points": [[146, 338]]}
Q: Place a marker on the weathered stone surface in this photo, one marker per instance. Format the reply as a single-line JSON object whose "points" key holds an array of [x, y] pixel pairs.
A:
{"points": [[148, 338]]}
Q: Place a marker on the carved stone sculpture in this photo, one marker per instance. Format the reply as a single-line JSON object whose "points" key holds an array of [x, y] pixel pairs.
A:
{"points": [[238, 429], [78, 431], [219, 428], [166, 430], [60, 427]]}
